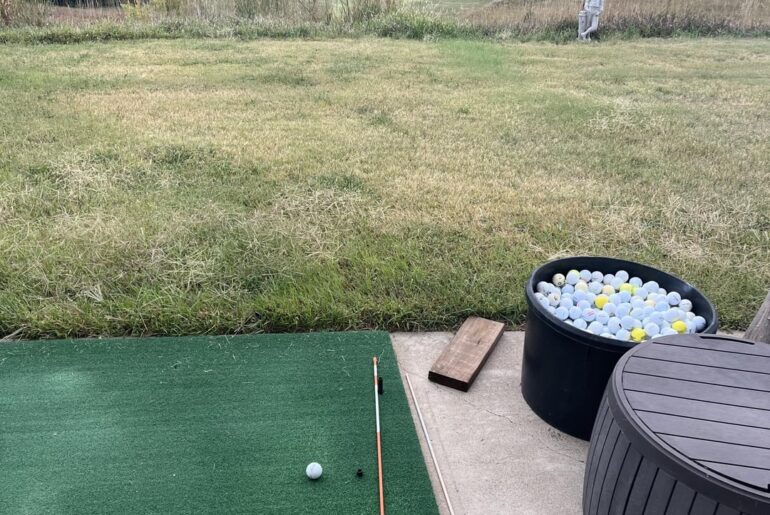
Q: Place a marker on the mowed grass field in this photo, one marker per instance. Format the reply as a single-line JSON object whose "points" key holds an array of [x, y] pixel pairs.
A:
{"points": [[192, 186]]}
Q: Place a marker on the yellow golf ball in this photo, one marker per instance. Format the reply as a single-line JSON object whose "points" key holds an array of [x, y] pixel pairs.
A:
{"points": [[601, 300], [627, 287], [638, 334], [679, 326]]}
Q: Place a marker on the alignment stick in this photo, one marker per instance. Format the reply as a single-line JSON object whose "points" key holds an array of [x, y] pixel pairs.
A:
{"points": [[430, 446], [379, 439]]}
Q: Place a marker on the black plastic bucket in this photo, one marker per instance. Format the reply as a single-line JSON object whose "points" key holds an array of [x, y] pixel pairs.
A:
{"points": [[565, 370]]}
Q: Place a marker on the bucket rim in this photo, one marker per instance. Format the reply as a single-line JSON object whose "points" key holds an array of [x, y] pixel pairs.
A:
{"points": [[594, 339]]}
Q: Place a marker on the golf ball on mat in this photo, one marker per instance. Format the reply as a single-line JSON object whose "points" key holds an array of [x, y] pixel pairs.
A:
{"points": [[314, 470]]}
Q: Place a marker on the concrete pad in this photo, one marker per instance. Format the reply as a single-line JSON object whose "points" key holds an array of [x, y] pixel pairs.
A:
{"points": [[495, 454]]}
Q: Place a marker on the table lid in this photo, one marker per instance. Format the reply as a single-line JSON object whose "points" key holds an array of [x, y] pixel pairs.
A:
{"points": [[705, 401]]}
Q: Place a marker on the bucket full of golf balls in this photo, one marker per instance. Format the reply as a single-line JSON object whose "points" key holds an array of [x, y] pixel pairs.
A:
{"points": [[584, 313]]}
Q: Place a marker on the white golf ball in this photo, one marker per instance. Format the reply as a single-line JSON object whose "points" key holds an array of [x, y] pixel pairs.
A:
{"points": [[635, 281], [651, 286], [596, 328], [585, 275], [562, 313], [671, 316], [567, 288], [652, 329], [685, 305], [559, 280], [580, 324], [623, 335], [622, 310], [602, 317], [700, 323], [597, 276], [673, 298], [608, 279], [573, 276], [553, 299], [575, 312], [595, 287], [314, 470], [622, 275]]}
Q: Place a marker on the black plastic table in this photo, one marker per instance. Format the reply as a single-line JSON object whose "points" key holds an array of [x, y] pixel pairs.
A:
{"points": [[683, 428]]}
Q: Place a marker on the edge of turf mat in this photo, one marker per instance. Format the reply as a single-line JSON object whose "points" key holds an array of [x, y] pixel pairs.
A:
{"points": [[205, 425]]}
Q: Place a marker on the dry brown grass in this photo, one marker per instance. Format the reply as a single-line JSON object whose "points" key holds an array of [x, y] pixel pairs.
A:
{"points": [[623, 15]]}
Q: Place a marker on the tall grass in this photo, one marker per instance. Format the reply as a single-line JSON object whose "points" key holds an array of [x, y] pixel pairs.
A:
{"points": [[647, 18], [555, 20]]}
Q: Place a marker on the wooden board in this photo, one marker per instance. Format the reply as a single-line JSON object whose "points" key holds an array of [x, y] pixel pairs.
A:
{"points": [[461, 361]]}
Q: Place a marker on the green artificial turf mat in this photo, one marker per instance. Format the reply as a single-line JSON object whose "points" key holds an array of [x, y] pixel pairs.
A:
{"points": [[205, 425]]}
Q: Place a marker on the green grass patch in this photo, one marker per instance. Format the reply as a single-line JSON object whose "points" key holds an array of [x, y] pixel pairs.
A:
{"points": [[217, 186]]}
